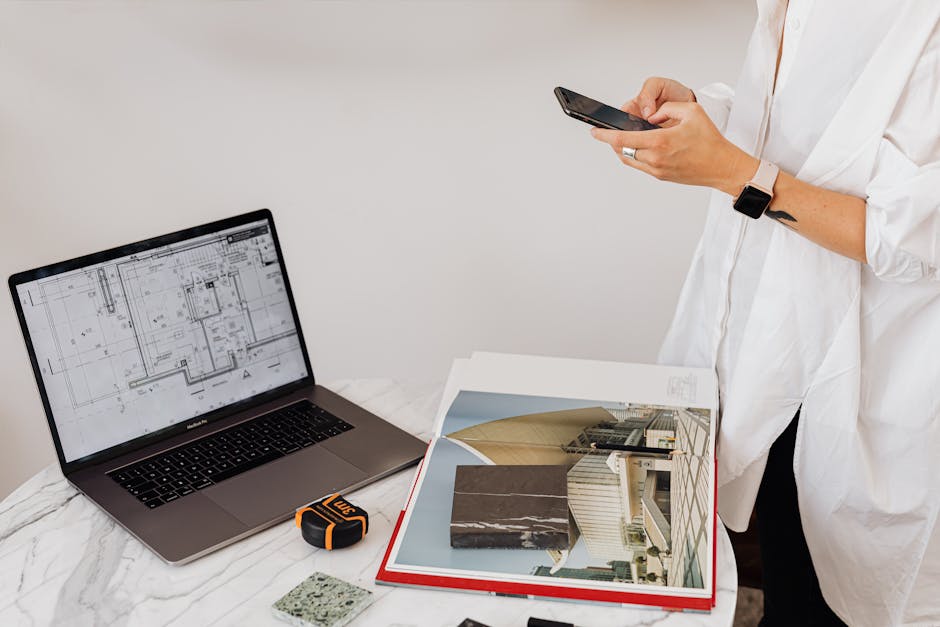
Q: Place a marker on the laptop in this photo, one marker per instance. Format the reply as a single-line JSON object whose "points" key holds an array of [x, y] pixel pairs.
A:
{"points": [[179, 391]]}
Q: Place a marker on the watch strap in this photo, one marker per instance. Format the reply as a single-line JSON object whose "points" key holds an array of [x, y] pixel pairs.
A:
{"points": [[765, 177]]}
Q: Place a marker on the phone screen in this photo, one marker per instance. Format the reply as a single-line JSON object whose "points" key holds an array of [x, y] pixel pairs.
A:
{"points": [[606, 115]]}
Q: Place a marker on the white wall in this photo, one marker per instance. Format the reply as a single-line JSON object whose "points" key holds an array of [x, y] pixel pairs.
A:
{"points": [[421, 173]]}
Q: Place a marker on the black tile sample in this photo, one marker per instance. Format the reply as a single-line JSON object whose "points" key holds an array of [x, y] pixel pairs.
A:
{"points": [[510, 507]]}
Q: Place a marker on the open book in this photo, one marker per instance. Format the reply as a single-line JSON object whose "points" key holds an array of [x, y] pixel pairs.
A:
{"points": [[628, 448]]}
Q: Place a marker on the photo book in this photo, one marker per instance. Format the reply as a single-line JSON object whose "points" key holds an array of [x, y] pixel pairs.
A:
{"points": [[564, 478]]}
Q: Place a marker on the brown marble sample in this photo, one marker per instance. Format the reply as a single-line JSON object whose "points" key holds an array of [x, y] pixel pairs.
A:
{"points": [[510, 507]]}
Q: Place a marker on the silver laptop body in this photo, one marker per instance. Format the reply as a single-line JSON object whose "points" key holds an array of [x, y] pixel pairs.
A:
{"points": [[179, 392]]}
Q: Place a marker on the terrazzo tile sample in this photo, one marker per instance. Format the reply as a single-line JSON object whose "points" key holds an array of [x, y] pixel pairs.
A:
{"points": [[322, 601], [510, 507]]}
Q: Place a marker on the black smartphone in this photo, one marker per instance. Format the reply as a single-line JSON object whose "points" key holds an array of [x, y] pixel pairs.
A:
{"points": [[598, 114]]}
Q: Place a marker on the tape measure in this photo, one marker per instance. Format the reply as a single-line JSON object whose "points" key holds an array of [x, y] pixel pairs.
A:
{"points": [[332, 523]]}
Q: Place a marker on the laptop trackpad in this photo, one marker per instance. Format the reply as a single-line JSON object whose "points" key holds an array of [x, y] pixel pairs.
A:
{"points": [[276, 489]]}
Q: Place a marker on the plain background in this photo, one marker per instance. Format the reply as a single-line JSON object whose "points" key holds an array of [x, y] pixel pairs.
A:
{"points": [[431, 197]]}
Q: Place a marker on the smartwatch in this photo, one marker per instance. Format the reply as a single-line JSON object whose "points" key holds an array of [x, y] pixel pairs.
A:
{"points": [[758, 192]]}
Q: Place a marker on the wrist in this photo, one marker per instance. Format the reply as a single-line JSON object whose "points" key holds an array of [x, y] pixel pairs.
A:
{"points": [[741, 169]]}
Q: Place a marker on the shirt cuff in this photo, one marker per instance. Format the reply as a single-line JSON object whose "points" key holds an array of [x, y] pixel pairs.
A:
{"points": [[902, 217]]}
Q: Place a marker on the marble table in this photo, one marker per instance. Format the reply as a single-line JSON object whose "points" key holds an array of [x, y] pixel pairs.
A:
{"points": [[64, 562]]}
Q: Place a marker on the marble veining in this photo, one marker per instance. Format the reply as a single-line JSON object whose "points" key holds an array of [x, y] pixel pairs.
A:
{"points": [[510, 507], [64, 562]]}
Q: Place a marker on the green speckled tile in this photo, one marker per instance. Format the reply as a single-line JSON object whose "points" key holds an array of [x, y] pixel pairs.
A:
{"points": [[322, 601]]}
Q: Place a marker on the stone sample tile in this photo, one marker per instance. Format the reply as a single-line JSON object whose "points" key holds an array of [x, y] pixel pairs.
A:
{"points": [[322, 601], [510, 507]]}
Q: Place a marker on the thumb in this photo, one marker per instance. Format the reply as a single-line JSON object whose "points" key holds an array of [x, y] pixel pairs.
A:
{"points": [[677, 111]]}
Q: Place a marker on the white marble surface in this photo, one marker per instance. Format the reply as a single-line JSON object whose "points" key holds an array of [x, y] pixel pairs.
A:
{"points": [[64, 562]]}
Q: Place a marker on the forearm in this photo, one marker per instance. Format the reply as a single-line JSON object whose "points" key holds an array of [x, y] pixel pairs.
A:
{"points": [[834, 221], [690, 149]]}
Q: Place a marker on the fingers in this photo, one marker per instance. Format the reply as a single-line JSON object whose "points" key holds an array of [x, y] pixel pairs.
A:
{"points": [[641, 140], [670, 153], [634, 162], [674, 111], [633, 139], [631, 107], [650, 96], [646, 102], [657, 90]]}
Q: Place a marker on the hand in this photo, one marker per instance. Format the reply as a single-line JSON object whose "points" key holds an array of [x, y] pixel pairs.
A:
{"points": [[691, 150], [657, 91]]}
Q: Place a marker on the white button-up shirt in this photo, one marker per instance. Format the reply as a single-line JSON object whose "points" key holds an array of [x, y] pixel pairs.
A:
{"points": [[787, 323]]}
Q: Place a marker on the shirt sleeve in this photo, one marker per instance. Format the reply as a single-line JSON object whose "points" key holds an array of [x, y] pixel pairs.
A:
{"points": [[716, 99], [902, 216]]}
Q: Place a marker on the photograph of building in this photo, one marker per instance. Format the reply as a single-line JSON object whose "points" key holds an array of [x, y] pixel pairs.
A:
{"points": [[691, 494], [532, 438], [616, 571], [639, 482]]}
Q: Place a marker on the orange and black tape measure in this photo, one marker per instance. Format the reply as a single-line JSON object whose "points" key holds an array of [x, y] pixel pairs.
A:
{"points": [[332, 523]]}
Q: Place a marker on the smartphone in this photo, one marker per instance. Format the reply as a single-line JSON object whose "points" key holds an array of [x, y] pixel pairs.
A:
{"points": [[598, 114]]}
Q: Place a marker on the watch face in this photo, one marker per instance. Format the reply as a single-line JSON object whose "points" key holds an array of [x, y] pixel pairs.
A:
{"points": [[752, 202]]}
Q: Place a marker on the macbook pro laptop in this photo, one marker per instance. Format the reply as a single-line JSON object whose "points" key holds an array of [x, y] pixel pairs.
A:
{"points": [[179, 392]]}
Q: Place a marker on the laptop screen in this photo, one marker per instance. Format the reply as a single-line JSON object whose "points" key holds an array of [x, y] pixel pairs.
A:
{"points": [[143, 342]]}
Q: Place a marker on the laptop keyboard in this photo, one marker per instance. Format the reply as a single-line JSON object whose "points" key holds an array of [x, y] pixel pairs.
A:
{"points": [[222, 455]]}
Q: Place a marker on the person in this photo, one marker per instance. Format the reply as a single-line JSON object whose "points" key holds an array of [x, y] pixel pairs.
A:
{"points": [[815, 294]]}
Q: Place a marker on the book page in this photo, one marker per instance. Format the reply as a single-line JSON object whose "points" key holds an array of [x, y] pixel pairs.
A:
{"points": [[637, 444]]}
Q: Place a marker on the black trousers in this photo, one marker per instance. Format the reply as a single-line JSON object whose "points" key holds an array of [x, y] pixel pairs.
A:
{"points": [[791, 589]]}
